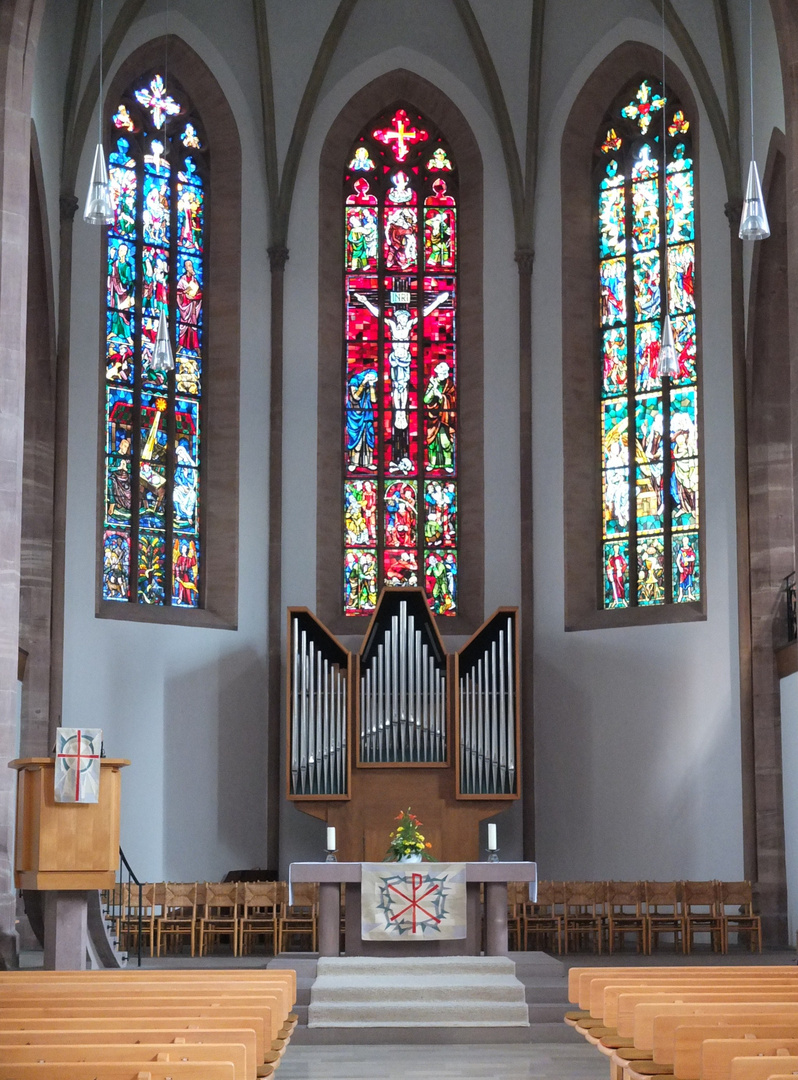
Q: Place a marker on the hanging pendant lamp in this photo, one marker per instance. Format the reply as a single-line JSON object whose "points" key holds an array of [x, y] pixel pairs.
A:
{"points": [[162, 358], [754, 220], [99, 209], [668, 364]]}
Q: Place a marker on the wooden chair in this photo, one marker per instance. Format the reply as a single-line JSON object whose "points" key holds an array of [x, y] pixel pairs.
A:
{"points": [[259, 918], [701, 908], [179, 919], [583, 913], [542, 921], [664, 913], [220, 915], [300, 919], [625, 913], [517, 895], [737, 895]]}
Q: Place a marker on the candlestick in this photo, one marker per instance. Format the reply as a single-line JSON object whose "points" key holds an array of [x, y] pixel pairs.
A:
{"points": [[331, 844]]}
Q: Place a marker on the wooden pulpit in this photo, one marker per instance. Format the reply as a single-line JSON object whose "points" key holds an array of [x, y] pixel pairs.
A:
{"points": [[65, 845], [66, 850]]}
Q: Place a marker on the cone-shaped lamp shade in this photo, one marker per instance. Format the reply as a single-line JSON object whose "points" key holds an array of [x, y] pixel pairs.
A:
{"points": [[668, 364], [162, 359], [754, 221], [99, 209]]}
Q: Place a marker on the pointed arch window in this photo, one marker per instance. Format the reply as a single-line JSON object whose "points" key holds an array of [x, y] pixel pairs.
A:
{"points": [[156, 258], [400, 438], [650, 536]]}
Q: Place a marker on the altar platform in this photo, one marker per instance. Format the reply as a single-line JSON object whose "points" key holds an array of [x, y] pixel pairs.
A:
{"points": [[494, 876]]}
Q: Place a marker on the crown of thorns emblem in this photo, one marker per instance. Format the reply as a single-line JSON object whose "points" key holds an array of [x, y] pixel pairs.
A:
{"points": [[414, 902]]}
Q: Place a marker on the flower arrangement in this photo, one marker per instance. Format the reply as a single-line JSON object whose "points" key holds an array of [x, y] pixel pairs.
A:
{"points": [[407, 839]]}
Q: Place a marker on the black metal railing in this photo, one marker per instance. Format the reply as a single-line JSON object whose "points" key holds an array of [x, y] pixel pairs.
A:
{"points": [[792, 619], [123, 906]]}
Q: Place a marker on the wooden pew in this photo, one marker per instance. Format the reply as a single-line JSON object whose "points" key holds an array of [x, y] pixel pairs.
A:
{"points": [[141, 1053], [115, 1015], [580, 978], [147, 1004], [756, 1068], [655, 1022], [266, 975], [104, 1070], [171, 1037], [621, 1007], [597, 986], [683, 1049], [718, 1054]]}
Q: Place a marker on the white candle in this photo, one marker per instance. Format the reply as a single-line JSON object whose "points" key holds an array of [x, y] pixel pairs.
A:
{"points": [[492, 837], [331, 838]]}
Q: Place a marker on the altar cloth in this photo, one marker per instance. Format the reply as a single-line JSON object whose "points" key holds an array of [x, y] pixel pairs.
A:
{"points": [[413, 901]]}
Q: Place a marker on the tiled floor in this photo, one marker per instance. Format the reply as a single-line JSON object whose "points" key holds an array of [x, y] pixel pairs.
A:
{"points": [[526, 1062]]}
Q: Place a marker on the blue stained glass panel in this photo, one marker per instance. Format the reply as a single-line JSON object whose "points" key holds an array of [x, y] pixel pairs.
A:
{"points": [[612, 225], [681, 274], [612, 274], [681, 212], [116, 564], [645, 215], [155, 212], [440, 522], [686, 568], [647, 347], [684, 342]]}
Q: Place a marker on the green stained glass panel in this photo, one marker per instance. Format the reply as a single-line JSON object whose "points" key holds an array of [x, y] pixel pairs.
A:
{"points": [[681, 213], [440, 573], [684, 341], [614, 361], [650, 571], [647, 284], [615, 494], [645, 215], [616, 575], [612, 232], [681, 285], [360, 582], [360, 516], [647, 345]]}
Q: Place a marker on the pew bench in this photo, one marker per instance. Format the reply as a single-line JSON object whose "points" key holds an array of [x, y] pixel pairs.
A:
{"points": [[141, 1053]]}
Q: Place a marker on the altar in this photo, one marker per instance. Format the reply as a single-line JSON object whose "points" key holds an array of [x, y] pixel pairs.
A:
{"points": [[493, 875]]}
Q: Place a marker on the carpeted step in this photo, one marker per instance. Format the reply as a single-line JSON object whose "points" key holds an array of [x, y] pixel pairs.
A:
{"points": [[447, 991]]}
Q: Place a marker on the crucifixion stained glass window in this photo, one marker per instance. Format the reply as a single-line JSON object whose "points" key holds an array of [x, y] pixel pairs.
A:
{"points": [[158, 175], [649, 423], [400, 505]]}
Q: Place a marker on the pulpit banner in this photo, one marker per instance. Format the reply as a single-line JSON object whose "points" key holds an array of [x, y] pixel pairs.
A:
{"points": [[77, 764], [413, 901]]}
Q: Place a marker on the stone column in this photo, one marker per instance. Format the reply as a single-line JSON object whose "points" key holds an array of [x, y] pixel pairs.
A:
{"points": [[20, 21], [278, 257], [525, 258]]}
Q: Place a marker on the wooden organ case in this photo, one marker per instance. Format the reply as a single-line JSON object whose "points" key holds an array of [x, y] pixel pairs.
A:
{"points": [[401, 724]]}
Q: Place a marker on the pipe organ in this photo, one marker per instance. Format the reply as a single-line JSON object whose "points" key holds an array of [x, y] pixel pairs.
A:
{"points": [[402, 723]]}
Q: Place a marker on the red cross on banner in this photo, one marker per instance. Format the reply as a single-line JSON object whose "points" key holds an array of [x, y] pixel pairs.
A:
{"points": [[77, 764], [403, 134], [425, 903]]}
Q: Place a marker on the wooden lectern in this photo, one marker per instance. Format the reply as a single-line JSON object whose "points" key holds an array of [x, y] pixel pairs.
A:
{"points": [[66, 850]]}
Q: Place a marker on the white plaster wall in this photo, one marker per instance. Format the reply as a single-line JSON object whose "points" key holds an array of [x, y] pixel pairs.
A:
{"points": [[636, 730], [789, 765], [186, 705]]}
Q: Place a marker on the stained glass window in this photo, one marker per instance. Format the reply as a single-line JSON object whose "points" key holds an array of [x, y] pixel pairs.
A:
{"points": [[649, 423], [158, 173], [400, 504]]}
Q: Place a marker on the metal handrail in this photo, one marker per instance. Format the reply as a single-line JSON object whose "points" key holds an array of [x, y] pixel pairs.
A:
{"points": [[118, 910], [792, 618]]}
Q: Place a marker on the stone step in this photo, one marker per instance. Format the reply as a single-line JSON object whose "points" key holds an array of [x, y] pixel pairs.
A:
{"points": [[377, 966], [390, 1014], [431, 989]]}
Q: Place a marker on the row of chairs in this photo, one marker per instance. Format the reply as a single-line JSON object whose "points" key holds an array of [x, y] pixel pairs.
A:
{"points": [[578, 915], [689, 1023], [145, 1025], [168, 916]]}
